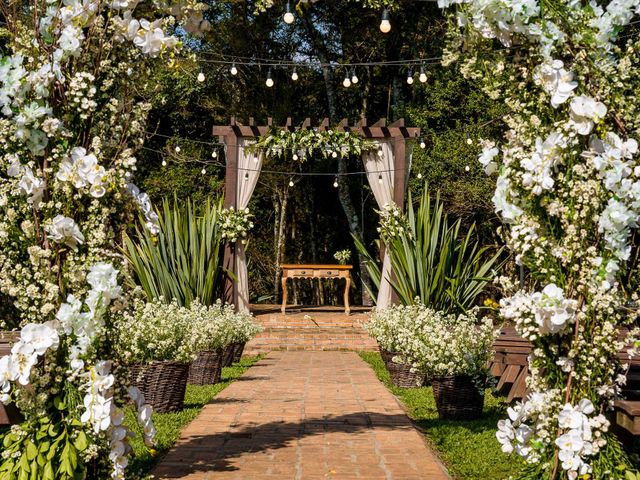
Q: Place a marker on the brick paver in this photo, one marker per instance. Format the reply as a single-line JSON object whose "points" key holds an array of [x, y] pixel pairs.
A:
{"points": [[303, 415]]}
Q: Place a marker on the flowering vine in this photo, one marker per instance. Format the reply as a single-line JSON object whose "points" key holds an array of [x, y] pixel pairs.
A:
{"points": [[568, 191]]}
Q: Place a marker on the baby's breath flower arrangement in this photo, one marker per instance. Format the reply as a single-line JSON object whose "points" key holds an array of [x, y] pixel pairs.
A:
{"points": [[568, 191], [71, 121], [393, 223], [300, 144], [235, 224], [342, 256], [218, 326]]}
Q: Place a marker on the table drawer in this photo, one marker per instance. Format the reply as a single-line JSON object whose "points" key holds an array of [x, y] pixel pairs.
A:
{"points": [[300, 272], [326, 273]]}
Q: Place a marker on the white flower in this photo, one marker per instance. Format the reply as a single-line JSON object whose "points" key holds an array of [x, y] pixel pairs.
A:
{"points": [[508, 210], [486, 159], [557, 81], [571, 441], [23, 359], [505, 435], [41, 337], [539, 167], [103, 279], [33, 186], [64, 230], [584, 112], [82, 170], [6, 374]]}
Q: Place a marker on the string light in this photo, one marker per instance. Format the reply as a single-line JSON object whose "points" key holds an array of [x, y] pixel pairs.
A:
{"points": [[335, 183], [294, 74], [214, 154], [233, 70], [423, 75], [269, 81], [423, 144], [419, 176], [385, 24], [288, 14], [354, 77], [246, 176], [467, 168], [410, 77], [201, 77], [295, 156], [346, 83], [177, 149], [469, 141], [334, 154], [164, 163], [291, 183], [380, 152], [380, 179], [203, 171]]}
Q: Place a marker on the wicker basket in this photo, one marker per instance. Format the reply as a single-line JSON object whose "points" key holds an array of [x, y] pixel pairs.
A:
{"points": [[237, 351], [401, 374], [162, 383], [457, 397], [206, 369], [227, 361]]}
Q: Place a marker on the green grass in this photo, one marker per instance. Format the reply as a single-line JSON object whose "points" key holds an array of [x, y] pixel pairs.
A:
{"points": [[469, 449], [169, 425]]}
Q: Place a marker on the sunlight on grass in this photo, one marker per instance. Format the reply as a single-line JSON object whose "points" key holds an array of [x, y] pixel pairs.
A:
{"points": [[169, 425], [468, 448]]}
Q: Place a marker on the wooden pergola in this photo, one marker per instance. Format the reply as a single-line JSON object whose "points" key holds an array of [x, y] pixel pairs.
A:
{"points": [[396, 134]]}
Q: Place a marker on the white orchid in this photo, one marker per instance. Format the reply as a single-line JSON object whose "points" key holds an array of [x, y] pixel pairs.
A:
{"points": [[64, 230], [486, 159], [41, 337], [557, 81], [585, 112], [32, 186], [103, 278]]}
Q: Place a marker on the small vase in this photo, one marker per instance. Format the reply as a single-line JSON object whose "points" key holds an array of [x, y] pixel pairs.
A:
{"points": [[457, 397]]}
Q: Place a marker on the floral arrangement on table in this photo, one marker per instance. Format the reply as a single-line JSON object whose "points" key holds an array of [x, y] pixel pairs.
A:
{"points": [[235, 224], [393, 222], [568, 191], [342, 256], [304, 142], [70, 125]]}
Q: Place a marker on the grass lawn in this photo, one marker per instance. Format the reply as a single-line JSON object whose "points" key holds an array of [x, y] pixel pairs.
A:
{"points": [[169, 425], [469, 449]]}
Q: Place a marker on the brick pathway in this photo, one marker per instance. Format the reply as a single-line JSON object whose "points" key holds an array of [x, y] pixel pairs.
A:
{"points": [[303, 415]]}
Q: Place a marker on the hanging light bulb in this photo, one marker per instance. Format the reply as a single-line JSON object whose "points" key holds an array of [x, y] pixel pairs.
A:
{"points": [[294, 74], [269, 81], [335, 183], [291, 182], [201, 77], [423, 75], [288, 14], [419, 176], [380, 152], [467, 168], [469, 141], [234, 70], [385, 24], [295, 156], [346, 83], [164, 163], [354, 77], [214, 154], [177, 149], [423, 144], [203, 171], [410, 77], [380, 179], [246, 176]]}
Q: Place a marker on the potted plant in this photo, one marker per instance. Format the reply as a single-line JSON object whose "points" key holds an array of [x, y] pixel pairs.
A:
{"points": [[157, 340], [387, 326], [453, 350], [242, 328]]}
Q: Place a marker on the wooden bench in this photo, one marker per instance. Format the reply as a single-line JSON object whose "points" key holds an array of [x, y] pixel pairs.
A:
{"points": [[509, 366]]}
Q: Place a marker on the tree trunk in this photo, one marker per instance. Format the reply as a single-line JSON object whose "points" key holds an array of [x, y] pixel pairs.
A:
{"points": [[283, 198]]}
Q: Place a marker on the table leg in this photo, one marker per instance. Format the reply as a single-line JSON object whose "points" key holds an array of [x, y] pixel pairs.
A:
{"points": [[284, 294], [347, 287]]}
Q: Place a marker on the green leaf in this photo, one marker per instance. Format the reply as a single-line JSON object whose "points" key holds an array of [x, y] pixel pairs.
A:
{"points": [[59, 403], [81, 442], [31, 451]]}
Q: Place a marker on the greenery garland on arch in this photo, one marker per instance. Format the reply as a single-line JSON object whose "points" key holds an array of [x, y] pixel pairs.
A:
{"points": [[298, 145]]}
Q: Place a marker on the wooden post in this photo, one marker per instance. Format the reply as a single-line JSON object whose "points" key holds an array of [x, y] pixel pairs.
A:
{"points": [[230, 200]]}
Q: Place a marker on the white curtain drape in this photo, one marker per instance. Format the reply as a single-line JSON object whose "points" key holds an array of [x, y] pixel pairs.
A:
{"points": [[380, 173], [249, 166]]}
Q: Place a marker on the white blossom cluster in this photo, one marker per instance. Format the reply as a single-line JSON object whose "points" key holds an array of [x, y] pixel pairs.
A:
{"points": [[393, 222], [568, 177], [235, 224]]}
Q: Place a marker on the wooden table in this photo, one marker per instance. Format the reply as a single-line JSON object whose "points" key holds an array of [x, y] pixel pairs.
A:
{"points": [[316, 271]]}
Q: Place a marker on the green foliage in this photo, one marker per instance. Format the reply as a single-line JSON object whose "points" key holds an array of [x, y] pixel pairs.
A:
{"points": [[47, 447], [301, 143], [371, 265], [468, 448], [169, 425], [183, 261]]}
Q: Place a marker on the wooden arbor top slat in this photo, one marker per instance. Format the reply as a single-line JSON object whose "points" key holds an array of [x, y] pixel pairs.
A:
{"points": [[378, 130]]}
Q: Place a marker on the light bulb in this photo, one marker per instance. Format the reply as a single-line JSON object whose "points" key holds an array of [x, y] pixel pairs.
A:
{"points": [[354, 77], [295, 156], [177, 149], [201, 77], [294, 75], [380, 152], [234, 70], [291, 183], [346, 83], [422, 143], [423, 76], [469, 141], [467, 168], [164, 163], [203, 171], [419, 176], [410, 77], [214, 154], [269, 81], [335, 183], [385, 24], [334, 154], [288, 14], [380, 179], [246, 176]]}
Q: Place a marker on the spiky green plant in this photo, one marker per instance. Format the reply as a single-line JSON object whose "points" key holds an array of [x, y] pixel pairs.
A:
{"points": [[183, 260], [435, 263]]}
